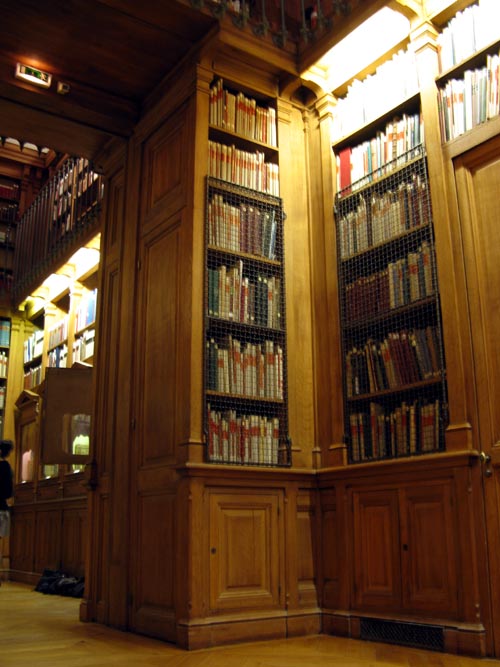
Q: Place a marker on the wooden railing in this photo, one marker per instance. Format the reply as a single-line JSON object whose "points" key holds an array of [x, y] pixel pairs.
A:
{"points": [[286, 21], [63, 215]]}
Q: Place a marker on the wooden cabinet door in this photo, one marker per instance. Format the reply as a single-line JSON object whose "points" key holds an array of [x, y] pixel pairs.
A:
{"points": [[246, 550], [429, 549], [376, 550]]}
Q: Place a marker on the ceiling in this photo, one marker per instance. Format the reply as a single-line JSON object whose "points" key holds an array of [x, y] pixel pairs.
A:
{"points": [[111, 54]]}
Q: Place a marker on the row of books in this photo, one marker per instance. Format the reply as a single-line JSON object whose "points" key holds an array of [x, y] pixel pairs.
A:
{"points": [[4, 333], [240, 167], [240, 114], [58, 333], [240, 438], [468, 31], [242, 228], [73, 180], [410, 428], [468, 102], [8, 211], [7, 235], [398, 80], [9, 190], [401, 358], [240, 298], [379, 217], [83, 347], [405, 281], [32, 377], [3, 393], [245, 369], [58, 357], [33, 346], [4, 364], [400, 141], [86, 311]]}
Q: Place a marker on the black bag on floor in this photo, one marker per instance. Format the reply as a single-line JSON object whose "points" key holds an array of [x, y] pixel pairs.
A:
{"points": [[53, 582]]}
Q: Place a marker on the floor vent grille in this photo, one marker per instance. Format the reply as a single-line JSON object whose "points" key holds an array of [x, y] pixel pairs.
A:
{"points": [[407, 634]]}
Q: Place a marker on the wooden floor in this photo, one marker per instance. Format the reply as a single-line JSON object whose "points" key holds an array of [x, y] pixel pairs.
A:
{"points": [[43, 631]]}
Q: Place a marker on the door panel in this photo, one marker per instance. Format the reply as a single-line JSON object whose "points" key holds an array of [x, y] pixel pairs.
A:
{"points": [[428, 550], [245, 551], [376, 558]]}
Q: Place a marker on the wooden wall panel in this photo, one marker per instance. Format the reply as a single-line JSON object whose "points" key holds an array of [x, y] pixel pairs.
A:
{"points": [[307, 541], [73, 541], [330, 549], [159, 338], [115, 201], [477, 181], [48, 540], [164, 173], [293, 189], [108, 337], [244, 551], [22, 541], [101, 581], [153, 602]]}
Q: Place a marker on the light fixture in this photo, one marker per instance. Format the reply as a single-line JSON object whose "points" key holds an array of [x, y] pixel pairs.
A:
{"points": [[33, 75]]}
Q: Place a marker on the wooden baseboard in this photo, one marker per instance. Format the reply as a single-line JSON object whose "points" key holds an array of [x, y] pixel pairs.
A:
{"points": [[31, 578], [216, 632], [459, 638]]}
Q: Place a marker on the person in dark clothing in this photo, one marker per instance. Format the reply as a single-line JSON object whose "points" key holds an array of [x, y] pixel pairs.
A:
{"points": [[6, 491]]}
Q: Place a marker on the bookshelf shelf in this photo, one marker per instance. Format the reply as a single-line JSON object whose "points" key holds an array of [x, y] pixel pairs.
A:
{"points": [[218, 396], [226, 136], [408, 105], [246, 419], [415, 386], [477, 59], [87, 327], [394, 370], [409, 314], [243, 255]]}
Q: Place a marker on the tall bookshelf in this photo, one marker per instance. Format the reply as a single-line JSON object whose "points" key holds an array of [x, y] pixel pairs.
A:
{"points": [[5, 334], [61, 317], [10, 190], [394, 373], [469, 70], [246, 421]]}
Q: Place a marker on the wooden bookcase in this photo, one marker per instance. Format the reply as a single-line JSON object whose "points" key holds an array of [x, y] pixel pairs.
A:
{"points": [[10, 191], [5, 341], [405, 514], [61, 317], [245, 323], [394, 375], [395, 394]]}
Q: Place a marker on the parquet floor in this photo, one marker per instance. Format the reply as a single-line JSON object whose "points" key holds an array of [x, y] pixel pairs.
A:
{"points": [[44, 631]]}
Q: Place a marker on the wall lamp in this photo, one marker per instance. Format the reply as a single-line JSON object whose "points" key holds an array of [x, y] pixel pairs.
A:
{"points": [[33, 75]]}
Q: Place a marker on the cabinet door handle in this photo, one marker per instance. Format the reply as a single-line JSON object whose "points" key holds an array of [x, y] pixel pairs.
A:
{"points": [[486, 460], [405, 547]]}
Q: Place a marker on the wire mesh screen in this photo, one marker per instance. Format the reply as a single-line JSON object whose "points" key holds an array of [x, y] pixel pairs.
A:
{"points": [[245, 356], [394, 366]]}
